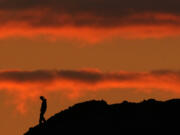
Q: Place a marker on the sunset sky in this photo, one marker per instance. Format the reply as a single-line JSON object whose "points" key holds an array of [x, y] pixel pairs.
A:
{"points": [[71, 51]]}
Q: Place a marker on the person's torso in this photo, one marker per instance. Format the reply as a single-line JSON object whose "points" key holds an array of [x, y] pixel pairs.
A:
{"points": [[43, 106]]}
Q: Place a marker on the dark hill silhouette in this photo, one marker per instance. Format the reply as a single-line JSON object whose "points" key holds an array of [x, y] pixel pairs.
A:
{"points": [[99, 117]]}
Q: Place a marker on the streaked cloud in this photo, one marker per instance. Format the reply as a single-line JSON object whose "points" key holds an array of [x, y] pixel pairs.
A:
{"points": [[27, 85], [90, 20]]}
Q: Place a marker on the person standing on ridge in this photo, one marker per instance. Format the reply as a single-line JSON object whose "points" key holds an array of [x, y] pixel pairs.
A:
{"points": [[43, 110]]}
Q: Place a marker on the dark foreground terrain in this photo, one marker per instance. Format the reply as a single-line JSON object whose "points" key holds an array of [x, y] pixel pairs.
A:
{"points": [[97, 117]]}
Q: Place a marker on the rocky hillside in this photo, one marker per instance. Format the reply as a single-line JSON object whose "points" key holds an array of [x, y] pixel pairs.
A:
{"points": [[99, 117]]}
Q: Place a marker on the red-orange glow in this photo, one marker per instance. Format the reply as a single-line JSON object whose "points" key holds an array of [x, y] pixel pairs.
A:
{"points": [[93, 35], [144, 25], [27, 85]]}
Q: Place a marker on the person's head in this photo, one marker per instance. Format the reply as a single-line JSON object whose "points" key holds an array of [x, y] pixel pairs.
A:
{"points": [[42, 98]]}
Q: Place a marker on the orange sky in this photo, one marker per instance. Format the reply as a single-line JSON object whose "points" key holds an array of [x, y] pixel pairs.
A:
{"points": [[155, 61], [76, 51]]}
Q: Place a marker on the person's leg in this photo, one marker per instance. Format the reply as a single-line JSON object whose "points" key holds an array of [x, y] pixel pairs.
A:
{"points": [[41, 118]]}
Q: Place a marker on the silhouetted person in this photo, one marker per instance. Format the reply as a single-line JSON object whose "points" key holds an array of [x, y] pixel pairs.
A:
{"points": [[43, 110]]}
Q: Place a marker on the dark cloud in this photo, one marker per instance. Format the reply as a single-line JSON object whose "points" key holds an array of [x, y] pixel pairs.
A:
{"points": [[103, 7], [165, 72], [45, 76], [49, 75], [80, 75], [25, 76], [83, 76], [94, 13]]}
